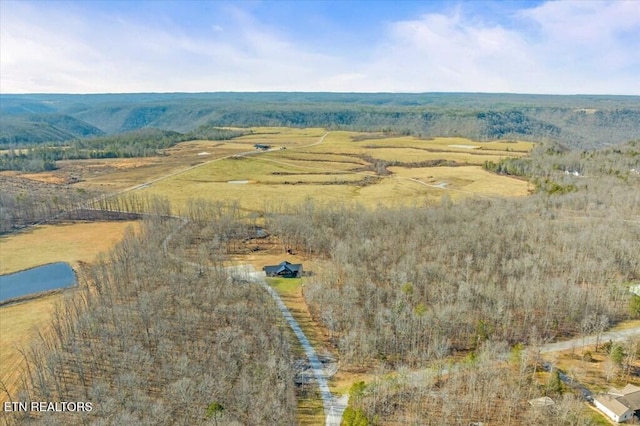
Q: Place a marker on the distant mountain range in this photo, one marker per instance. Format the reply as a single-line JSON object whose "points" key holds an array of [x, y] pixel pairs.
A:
{"points": [[584, 121]]}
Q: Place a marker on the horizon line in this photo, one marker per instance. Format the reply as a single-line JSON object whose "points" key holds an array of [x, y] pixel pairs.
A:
{"points": [[307, 92]]}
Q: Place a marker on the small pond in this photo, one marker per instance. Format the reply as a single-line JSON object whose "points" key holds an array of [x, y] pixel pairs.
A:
{"points": [[35, 280]]}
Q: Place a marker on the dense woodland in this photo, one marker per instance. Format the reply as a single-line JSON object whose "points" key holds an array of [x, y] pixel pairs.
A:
{"points": [[152, 340]]}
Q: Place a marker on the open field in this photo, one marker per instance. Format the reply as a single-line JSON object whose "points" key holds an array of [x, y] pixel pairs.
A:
{"points": [[20, 324], [445, 144], [345, 142], [72, 243], [341, 170], [343, 167], [465, 181], [410, 155]]}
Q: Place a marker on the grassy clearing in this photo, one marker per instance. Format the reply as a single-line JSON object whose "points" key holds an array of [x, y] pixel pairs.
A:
{"points": [[72, 243], [281, 137], [310, 408], [297, 174], [465, 181], [290, 290], [318, 165], [305, 156], [20, 325], [289, 287], [252, 197], [442, 143]]}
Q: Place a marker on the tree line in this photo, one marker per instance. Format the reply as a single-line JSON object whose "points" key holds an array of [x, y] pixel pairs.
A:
{"points": [[138, 143]]}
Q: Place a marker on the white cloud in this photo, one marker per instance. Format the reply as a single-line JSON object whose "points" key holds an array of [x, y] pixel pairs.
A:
{"points": [[59, 52], [575, 47], [557, 47], [596, 40], [444, 53]]}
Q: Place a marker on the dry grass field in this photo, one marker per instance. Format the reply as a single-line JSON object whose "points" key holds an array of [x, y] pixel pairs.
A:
{"points": [[72, 243], [19, 326], [298, 167], [343, 169]]}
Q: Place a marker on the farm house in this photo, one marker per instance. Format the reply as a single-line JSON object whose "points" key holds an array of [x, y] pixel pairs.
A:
{"points": [[284, 269]]}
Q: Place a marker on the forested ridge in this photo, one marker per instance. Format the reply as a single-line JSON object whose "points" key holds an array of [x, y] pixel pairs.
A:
{"points": [[579, 121]]}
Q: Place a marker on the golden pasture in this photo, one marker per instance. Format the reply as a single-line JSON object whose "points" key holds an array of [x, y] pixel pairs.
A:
{"points": [[72, 243], [19, 326], [342, 168]]}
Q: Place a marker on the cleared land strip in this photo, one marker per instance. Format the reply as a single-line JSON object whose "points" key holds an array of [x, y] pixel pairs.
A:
{"points": [[333, 406], [93, 202], [145, 184]]}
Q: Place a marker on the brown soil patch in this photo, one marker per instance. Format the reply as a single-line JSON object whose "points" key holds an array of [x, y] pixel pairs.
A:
{"points": [[46, 178]]}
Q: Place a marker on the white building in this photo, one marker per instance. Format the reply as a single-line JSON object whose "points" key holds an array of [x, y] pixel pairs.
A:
{"points": [[619, 405]]}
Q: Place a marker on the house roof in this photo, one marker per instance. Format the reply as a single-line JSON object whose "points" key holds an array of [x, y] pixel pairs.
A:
{"points": [[283, 267], [631, 395], [620, 401], [613, 403]]}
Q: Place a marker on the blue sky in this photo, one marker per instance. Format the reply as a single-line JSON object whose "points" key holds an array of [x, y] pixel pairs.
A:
{"points": [[565, 47]]}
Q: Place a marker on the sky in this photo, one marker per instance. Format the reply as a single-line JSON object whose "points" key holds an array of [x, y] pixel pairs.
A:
{"points": [[547, 47]]}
